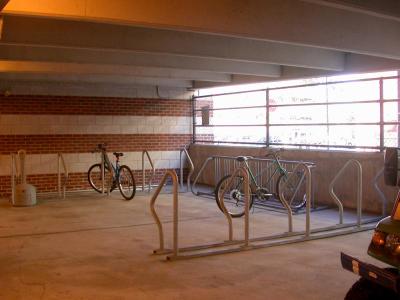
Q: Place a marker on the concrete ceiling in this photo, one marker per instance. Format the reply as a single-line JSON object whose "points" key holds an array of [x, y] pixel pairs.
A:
{"points": [[198, 43]]}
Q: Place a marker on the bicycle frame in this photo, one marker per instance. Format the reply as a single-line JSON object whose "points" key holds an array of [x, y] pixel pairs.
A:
{"points": [[277, 168], [105, 162]]}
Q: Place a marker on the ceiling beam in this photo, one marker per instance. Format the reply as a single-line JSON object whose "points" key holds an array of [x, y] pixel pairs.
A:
{"points": [[92, 89], [95, 79], [379, 8], [93, 69], [115, 57], [289, 21], [66, 33]]}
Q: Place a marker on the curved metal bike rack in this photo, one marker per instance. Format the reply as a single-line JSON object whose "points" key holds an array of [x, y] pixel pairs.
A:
{"points": [[195, 192], [60, 184], [381, 195], [184, 151], [153, 171], [174, 177], [247, 243], [245, 174], [282, 198], [14, 175], [359, 189]]}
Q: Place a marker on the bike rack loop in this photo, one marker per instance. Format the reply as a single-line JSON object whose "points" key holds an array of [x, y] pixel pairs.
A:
{"points": [[359, 190], [14, 175], [153, 171], [282, 198], [174, 177], [379, 191], [245, 174], [61, 162], [196, 193], [184, 151]]}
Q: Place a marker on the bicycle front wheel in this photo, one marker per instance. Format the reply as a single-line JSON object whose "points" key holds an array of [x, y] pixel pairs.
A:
{"points": [[234, 197], [94, 177], [126, 183], [294, 190]]}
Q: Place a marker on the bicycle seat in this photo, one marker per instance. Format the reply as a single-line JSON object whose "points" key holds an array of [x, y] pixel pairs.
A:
{"points": [[241, 158], [118, 154]]}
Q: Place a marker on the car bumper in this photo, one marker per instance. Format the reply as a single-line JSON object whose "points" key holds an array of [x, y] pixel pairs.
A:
{"points": [[383, 277]]}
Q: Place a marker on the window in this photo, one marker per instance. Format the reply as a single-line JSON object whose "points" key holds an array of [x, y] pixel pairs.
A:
{"points": [[343, 112]]}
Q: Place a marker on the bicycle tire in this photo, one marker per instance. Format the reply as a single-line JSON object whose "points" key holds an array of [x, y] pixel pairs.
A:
{"points": [[300, 199], [94, 177], [126, 182], [234, 203]]}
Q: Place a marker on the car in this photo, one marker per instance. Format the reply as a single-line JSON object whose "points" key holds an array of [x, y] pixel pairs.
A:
{"points": [[375, 282]]}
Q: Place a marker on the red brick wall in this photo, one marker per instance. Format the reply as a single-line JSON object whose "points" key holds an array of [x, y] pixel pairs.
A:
{"points": [[41, 144], [84, 143], [56, 105]]}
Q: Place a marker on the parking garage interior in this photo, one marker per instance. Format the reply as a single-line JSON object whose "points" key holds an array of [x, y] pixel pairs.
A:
{"points": [[297, 100]]}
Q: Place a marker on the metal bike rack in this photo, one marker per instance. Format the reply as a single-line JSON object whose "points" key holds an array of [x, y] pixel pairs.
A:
{"points": [[185, 151], [225, 165], [161, 249], [14, 175], [359, 190], [61, 185], [153, 171], [245, 174], [381, 195], [248, 243], [282, 197]]}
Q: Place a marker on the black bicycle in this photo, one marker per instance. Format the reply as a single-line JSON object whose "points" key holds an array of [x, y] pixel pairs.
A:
{"points": [[119, 176]]}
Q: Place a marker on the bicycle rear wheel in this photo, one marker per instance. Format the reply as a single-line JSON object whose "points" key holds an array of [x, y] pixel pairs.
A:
{"points": [[234, 197], [94, 177], [295, 190], [126, 182]]}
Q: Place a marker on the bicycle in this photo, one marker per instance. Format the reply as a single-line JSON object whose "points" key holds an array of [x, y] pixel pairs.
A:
{"points": [[121, 176], [234, 195]]}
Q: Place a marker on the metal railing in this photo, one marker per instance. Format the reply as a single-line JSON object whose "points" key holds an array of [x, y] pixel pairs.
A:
{"points": [[153, 171], [181, 167], [61, 184], [358, 166]]}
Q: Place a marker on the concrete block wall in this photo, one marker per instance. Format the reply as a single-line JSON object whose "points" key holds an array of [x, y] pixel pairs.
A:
{"points": [[328, 164], [74, 125]]}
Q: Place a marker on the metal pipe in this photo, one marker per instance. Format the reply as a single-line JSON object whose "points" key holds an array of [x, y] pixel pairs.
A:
{"points": [[359, 189], [174, 177], [289, 144], [153, 171]]}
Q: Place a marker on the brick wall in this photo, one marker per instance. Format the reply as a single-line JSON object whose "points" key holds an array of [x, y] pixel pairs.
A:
{"points": [[46, 125]]}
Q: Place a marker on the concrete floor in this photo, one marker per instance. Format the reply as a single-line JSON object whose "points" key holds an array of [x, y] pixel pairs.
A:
{"points": [[96, 247]]}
